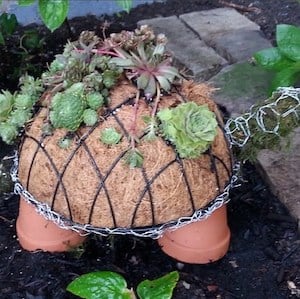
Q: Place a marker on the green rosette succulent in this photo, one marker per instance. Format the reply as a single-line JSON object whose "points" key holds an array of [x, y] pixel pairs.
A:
{"points": [[64, 142], [67, 108], [19, 117], [8, 132], [24, 101], [95, 100], [90, 117], [110, 136], [6, 104], [191, 128]]}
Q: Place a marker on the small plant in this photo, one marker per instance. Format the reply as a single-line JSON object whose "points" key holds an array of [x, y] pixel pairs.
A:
{"points": [[17, 109], [190, 127], [106, 284], [148, 65], [110, 136], [284, 59]]}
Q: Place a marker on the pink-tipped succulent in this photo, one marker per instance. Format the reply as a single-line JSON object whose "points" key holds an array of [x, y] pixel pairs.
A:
{"points": [[148, 64]]}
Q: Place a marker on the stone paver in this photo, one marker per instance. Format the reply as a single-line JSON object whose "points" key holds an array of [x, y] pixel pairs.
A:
{"points": [[239, 45], [282, 172], [208, 23], [190, 51]]}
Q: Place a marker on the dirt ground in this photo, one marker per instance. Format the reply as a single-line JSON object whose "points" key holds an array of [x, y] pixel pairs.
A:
{"points": [[263, 261]]}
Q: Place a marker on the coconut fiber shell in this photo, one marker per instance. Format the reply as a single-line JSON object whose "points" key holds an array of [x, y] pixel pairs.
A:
{"points": [[89, 182]]}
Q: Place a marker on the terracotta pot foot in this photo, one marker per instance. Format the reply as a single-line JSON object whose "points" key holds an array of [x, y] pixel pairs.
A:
{"points": [[200, 242], [35, 232]]}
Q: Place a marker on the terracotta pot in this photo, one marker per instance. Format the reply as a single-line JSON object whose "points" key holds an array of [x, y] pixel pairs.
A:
{"points": [[200, 242], [35, 232]]}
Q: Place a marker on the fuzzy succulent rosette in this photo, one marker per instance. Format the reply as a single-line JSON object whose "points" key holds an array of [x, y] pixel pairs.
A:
{"points": [[120, 139]]}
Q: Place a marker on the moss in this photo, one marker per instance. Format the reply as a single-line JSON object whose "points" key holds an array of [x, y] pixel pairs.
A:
{"points": [[278, 126]]}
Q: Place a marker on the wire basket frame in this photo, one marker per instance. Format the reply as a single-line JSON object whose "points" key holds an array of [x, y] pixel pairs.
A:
{"points": [[153, 231]]}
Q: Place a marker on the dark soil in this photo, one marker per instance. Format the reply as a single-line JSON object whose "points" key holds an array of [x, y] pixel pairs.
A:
{"points": [[264, 257]]}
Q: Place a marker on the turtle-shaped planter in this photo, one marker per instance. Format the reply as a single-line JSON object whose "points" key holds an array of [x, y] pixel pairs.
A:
{"points": [[118, 145]]}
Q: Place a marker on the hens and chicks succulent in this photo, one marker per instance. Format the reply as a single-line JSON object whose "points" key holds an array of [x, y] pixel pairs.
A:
{"points": [[17, 108], [77, 83]]}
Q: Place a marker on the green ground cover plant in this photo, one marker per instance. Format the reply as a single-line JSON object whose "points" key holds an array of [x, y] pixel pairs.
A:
{"points": [[107, 284], [283, 60]]}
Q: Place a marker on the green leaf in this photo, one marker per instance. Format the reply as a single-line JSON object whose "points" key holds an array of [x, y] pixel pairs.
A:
{"points": [[272, 59], [143, 80], [288, 41], [286, 77], [100, 285], [159, 50], [8, 23], [134, 158], [122, 62], [150, 89], [25, 2], [53, 13], [125, 4], [164, 83], [161, 288]]}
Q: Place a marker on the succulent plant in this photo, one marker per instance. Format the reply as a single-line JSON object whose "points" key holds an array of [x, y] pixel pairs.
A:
{"points": [[95, 100], [24, 101], [16, 109], [6, 105], [152, 127], [80, 62], [190, 127], [19, 117], [31, 86], [129, 40], [90, 117], [134, 158], [110, 136], [8, 132], [67, 108], [64, 142], [149, 65]]}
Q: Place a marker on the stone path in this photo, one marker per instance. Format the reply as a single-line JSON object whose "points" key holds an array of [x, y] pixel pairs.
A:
{"points": [[217, 46]]}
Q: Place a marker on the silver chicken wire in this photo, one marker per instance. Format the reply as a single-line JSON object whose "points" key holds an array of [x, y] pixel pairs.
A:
{"points": [[238, 129], [153, 232]]}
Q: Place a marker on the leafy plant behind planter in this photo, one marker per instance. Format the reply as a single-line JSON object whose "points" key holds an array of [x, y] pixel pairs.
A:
{"points": [[52, 13], [8, 25], [106, 284], [284, 59]]}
